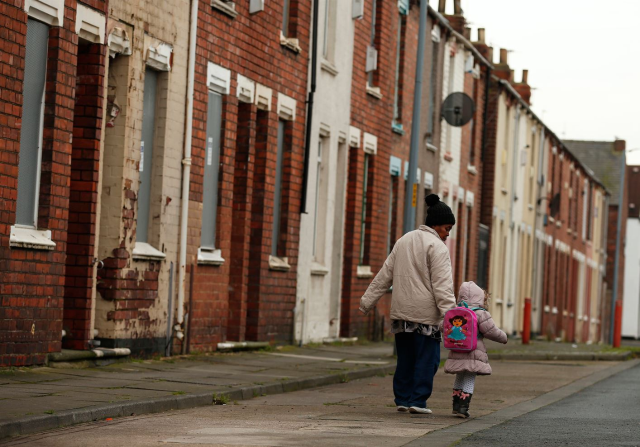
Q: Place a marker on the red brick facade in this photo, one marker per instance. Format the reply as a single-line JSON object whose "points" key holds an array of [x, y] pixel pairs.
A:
{"points": [[244, 299], [35, 292]]}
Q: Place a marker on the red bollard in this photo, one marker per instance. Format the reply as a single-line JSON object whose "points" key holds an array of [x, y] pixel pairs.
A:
{"points": [[617, 325], [526, 325]]}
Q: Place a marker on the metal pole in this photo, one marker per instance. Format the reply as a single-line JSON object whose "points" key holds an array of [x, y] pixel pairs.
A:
{"points": [[614, 297], [411, 191]]}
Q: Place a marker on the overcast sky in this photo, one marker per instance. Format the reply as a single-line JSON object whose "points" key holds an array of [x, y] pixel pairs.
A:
{"points": [[583, 58]]}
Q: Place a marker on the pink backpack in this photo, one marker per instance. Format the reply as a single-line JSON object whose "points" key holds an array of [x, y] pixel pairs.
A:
{"points": [[461, 328]]}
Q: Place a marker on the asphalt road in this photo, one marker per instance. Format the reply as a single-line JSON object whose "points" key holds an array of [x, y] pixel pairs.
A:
{"points": [[605, 414]]}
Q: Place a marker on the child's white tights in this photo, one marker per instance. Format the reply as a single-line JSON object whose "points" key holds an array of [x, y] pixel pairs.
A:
{"points": [[465, 381]]}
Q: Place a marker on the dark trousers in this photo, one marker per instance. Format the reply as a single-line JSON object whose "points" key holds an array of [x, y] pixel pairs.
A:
{"points": [[418, 361]]}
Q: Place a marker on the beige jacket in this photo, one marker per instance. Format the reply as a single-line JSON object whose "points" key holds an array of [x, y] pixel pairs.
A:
{"points": [[419, 268]]}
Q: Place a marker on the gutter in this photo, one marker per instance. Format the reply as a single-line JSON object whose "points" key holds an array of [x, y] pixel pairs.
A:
{"points": [[186, 171]]}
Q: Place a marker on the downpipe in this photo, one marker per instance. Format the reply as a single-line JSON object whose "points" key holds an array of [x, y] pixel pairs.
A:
{"points": [[186, 172]]}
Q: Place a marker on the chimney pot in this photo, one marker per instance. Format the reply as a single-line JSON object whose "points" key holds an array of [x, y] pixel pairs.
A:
{"points": [[490, 54], [511, 76], [481, 35], [467, 33], [619, 145], [503, 56], [442, 6], [525, 76], [457, 9]]}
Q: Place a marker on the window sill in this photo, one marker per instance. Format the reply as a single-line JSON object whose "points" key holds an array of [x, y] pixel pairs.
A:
{"points": [[471, 169], [329, 67], [22, 237], [558, 224], [290, 43], [364, 271], [210, 257], [448, 156], [504, 191], [318, 269], [279, 264], [397, 128], [145, 252], [374, 91], [530, 206], [432, 148], [228, 8]]}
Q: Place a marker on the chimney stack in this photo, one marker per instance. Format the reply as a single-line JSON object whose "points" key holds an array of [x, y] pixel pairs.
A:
{"points": [[619, 145], [442, 6], [523, 88], [457, 9], [467, 33], [489, 55], [504, 56], [481, 35]]}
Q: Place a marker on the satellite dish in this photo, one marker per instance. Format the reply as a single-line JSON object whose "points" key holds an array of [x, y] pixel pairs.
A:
{"points": [[458, 109]]}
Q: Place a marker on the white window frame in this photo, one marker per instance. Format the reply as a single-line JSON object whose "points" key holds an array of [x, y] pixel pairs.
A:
{"points": [[26, 235]]}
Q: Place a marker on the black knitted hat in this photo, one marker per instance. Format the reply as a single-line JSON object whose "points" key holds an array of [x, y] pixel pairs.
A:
{"points": [[438, 212]]}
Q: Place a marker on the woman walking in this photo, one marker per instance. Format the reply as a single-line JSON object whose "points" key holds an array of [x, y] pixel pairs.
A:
{"points": [[419, 268]]}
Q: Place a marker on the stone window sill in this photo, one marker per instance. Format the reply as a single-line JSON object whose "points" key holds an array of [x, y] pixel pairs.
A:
{"points": [[24, 237], [471, 169], [504, 191], [228, 8], [145, 252], [210, 257], [318, 269], [364, 271], [374, 91], [290, 43], [448, 156], [279, 264], [432, 148], [329, 67]]}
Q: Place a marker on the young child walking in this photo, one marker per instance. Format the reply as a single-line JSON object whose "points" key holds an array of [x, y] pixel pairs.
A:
{"points": [[466, 365]]}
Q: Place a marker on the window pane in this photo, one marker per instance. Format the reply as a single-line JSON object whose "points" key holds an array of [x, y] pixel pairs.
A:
{"points": [[31, 133], [278, 191], [285, 18], [146, 152], [396, 94], [432, 90], [211, 170]]}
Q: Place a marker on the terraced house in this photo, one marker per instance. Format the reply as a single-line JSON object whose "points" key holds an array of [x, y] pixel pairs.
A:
{"points": [[184, 176]]}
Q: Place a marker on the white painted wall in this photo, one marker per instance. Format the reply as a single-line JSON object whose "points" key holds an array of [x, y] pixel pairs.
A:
{"points": [[317, 313], [631, 298]]}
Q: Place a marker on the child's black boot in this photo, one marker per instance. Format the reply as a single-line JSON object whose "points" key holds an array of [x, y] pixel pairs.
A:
{"points": [[456, 401], [465, 399]]}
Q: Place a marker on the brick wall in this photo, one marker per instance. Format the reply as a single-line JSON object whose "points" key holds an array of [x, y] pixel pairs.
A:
{"points": [[32, 282], [244, 299]]}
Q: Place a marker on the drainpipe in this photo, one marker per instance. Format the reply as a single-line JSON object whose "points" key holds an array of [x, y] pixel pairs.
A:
{"points": [[312, 91], [409, 207], [186, 170]]}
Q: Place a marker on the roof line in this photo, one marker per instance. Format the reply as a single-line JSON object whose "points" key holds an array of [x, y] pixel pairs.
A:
{"points": [[560, 142]]}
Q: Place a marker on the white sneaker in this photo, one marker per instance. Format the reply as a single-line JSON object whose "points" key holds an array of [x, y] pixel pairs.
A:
{"points": [[402, 408], [418, 410]]}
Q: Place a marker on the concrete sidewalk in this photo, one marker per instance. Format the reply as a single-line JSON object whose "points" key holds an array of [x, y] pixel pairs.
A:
{"points": [[38, 399]]}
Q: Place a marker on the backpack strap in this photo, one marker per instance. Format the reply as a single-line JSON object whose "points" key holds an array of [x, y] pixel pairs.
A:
{"points": [[463, 304], [478, 308]]}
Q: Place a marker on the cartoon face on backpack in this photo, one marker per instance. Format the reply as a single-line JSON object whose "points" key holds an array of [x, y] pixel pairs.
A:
{"points": [[458, 330]]}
